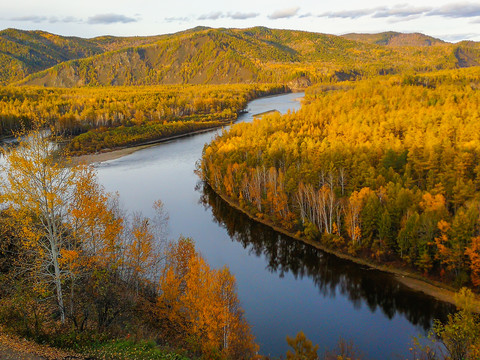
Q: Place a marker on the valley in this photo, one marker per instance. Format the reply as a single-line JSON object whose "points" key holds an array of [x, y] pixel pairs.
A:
{"points": [[286, 170]]}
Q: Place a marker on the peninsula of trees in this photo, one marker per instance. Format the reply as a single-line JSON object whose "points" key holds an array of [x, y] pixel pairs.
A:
{"points": [[95, 119], [385, 168]]}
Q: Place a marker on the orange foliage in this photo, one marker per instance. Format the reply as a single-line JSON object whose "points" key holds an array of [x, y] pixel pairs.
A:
{"points": [[204, 302], [473, 253]]}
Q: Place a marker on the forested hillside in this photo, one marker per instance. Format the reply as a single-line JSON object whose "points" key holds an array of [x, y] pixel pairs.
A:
{"points": [[385, 168], [25, 52], [392, 38], [204, 55]]}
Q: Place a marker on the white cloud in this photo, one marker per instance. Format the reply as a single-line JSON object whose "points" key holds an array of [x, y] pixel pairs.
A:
{"points": [[459, 37], [211, 16], [349, 14], [242, 16], [408, 12], [458, 10], [284, 13], [106, 19], [177, 19], [30, 18], [403, 11]]}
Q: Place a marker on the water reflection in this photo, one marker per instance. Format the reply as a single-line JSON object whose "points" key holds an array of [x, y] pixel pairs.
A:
{"points": [[329, 299], [331, 275]]}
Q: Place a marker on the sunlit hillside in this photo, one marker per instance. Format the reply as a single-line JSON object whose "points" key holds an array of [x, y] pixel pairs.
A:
{"points": [[214, 56]]}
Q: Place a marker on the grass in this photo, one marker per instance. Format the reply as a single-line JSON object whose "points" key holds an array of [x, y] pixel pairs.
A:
{"points": [[130, 350]]}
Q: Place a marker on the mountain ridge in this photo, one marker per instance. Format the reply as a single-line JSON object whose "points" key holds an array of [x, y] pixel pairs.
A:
{"points": [[393, 38], [226, 55]]}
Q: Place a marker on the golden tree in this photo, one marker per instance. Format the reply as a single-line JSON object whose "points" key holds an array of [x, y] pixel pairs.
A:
{"points": [[48, 198], [302, 347], [202, 304]]}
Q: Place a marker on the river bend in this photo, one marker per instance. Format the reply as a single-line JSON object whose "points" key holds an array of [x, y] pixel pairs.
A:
{"points": [[284, 286]]}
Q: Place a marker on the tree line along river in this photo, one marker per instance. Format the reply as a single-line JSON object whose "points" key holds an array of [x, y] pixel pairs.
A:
{"points": [[284, 286]]}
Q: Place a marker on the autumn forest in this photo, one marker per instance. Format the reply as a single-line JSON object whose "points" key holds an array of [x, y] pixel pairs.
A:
{"points": [[379, 165]]}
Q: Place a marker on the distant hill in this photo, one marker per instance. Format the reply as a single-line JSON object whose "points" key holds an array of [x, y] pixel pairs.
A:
{"points": [[467, 54], [395, 39], [24, 52], [205, 55], [202, 56]]}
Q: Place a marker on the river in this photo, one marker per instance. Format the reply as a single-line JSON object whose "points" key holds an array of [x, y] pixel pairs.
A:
{"points": [[284, 286]]}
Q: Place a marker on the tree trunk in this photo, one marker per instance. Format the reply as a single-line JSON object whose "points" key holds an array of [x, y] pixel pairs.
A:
{"points": [[58, 287]]}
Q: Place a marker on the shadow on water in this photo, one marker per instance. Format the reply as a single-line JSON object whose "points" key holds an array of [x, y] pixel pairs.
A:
{"points": [[330, 274]]}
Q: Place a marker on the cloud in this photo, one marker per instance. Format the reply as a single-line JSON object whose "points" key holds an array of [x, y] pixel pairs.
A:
{"points": [[458, 37], [407, 12], [218, 15], [177, 19], [51, 19], [105, 19], [458, 10], [242, 16], [284, 13], [402, 11], [235, 16], [211, 16], [30, 18], [70, 19], [350, 14], [305, 15]]}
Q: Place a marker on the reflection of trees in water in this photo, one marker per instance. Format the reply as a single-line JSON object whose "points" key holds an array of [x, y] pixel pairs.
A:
{"points": [[329, 273]]}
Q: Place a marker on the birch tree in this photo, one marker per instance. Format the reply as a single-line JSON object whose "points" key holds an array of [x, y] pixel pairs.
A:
{"points": [[41, 189]]}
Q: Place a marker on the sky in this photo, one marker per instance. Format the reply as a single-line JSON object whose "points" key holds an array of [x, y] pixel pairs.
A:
{"points": [[448, 20]]}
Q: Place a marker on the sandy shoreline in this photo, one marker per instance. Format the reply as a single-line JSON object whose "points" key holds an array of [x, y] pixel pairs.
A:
{"points": [[115, 154], [107, 155]]}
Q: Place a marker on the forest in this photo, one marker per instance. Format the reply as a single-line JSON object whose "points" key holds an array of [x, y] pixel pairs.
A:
{"points": [[78, 272], [380, 163], [221, 56], [385, 169], [93, 119]]}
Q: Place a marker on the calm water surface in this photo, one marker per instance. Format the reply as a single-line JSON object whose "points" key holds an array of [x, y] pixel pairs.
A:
{"points": [[284, 286]]}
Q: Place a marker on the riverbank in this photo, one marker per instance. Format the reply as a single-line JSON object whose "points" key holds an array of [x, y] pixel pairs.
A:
{"points": [[414, 281], [259, 115], [112, 154], [267, 266]]}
